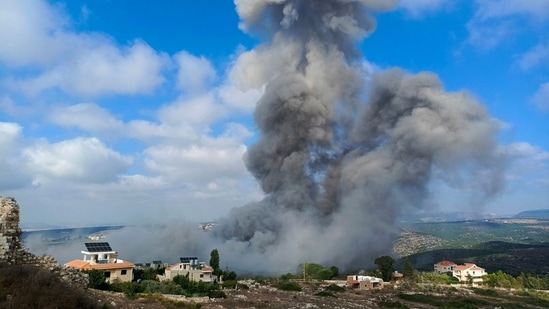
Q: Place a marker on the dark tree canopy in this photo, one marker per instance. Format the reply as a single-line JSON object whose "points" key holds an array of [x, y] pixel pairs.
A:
{"points": [[408, 269], [386, 266], [214, 262]]}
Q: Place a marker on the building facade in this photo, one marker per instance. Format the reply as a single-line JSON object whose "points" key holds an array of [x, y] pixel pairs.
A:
{"points": [[193, 269], [364, 282], [443, 267], [469, 273], [100, 256]]}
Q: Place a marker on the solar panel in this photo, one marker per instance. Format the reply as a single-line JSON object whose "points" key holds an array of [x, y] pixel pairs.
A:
{"points": [[188, 259], [98, 246]]}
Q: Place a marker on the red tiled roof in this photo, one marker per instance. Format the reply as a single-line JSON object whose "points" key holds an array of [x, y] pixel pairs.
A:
{"points": [[80, 264], [446, 263], [468, 266], [207, 269]]}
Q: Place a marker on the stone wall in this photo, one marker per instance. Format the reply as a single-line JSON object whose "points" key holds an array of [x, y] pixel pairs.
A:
{"points": [[13, 253]]}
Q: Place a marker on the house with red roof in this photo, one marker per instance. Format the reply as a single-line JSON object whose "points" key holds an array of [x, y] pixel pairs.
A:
{"points": [[469, 273], [100, 256], [444, 267]]}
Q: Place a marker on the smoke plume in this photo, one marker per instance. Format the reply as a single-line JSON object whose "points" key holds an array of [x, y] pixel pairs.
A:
{"points": [[339, 157], [338, 169]]}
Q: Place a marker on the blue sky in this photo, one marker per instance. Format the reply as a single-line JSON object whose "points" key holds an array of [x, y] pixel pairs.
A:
{"points": [[123, 111]]}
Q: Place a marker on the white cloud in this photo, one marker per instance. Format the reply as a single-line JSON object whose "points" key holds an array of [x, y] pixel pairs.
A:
{"points": [[196, 164], [496, 20], [195, 74], [237, 99], [31, 32], [418, 8], [12, 170], [86, 116], [541, 97], [35, 34], [79, 159], [537, 56], [526, 150], [102, 69], [199, 111], [504, 8], [10, 134]]}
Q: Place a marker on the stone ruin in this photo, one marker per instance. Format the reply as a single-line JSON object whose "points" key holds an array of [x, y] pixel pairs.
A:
{"points": [[12, 251]]}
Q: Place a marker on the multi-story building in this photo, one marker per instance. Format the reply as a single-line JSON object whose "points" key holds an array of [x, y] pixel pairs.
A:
{"points": [[443, 267], [100, 256], [191, 268], [469, 273]]}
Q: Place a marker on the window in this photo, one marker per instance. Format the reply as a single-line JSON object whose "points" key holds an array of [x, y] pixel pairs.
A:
{"points": [[201, 275], [107, 274], [123, 271]]}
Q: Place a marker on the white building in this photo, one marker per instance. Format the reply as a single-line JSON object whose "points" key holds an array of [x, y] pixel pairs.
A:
{"points": [[443, 267], [100, 256], [469, 273], [191, 268], [364, 282]]}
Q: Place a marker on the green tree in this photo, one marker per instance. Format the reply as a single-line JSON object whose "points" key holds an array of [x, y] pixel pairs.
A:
{"points": [[408, 270], [97, 280], [386, 266], [229, 275], [335, 271], [214, 262]]}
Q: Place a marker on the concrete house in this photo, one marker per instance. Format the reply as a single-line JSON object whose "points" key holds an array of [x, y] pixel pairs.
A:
{"points": [[469, 271], [100, 256], [364, 282], [443, 267], [191, 268]]}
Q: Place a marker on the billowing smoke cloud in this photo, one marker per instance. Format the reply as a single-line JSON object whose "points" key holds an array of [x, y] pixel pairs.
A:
{"points": [[339, 158], [338, 170]]}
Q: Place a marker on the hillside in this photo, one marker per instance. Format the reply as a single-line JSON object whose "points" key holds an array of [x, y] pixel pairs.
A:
{"points": [[534, 214], [513, 245]]}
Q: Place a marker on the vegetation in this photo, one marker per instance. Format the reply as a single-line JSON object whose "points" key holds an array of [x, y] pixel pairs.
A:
{"points": [[334, 288], [214, 262], [33, 287], [289, 286], [97, 280], [386, 266], [523, 281], [312, 271], [147, 273], [408, 270]]}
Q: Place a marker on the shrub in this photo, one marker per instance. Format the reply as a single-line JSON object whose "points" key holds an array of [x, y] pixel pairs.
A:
{"points": [[97, 280], [34, 287], [214, 293], [165, 287], [230, 284], [289, 286], [130, 289], [334, 288]]}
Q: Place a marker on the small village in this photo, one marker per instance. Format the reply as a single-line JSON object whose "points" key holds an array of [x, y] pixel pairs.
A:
{"points": [[101, 257]]}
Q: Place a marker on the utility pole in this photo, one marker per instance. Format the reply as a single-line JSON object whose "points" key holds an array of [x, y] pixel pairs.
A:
{"points": [[304, 271]]}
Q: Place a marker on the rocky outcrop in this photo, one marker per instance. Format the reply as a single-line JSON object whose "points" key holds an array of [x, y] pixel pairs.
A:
{"points": [[12, 251]]}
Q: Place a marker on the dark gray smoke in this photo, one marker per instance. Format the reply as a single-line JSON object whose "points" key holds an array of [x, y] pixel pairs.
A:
{"points": [[337, 170]]}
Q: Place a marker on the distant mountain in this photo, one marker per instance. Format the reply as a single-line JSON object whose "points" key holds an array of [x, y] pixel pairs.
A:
{"points": [[534, 214]]}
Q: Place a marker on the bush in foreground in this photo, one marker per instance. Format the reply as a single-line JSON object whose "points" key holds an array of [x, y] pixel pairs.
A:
{"points": [[289, 286], [25, 286]]}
